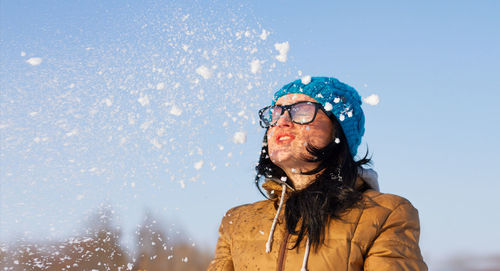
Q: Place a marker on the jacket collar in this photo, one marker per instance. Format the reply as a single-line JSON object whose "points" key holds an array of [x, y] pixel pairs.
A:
{"points": [[365, 176], [275, 187]]}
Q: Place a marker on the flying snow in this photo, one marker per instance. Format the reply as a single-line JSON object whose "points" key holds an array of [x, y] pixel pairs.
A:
{"points": [[255, 66], [264, 34], [175, 110], [143, 100], [204, 71], [372, 99], [160, 86], [141, 107], [328, 106], [240, 137], [34, 61], [306, 80], [108, 102], [72, 133], [198, 165], [283, 49]]}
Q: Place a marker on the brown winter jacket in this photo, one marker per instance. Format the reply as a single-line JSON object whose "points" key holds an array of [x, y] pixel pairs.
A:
{"points": [[381, 234]]}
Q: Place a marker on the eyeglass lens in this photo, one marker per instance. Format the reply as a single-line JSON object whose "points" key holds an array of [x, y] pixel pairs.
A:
{"points": [[300, 113]]}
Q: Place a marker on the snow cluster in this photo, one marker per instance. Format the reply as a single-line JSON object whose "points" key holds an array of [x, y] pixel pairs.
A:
{"points": [[328, 106], [255, 66], [160, 86], [306, 80], [198, 165], [204, 71], [175, 110], [264, 34], [240, 137], [34, 61], [372, 99], [283, 49]]}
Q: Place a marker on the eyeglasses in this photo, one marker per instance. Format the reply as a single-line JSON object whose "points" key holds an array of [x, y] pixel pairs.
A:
{"points": [[301, 113]]}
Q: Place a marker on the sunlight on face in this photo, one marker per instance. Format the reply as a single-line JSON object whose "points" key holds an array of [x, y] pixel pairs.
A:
{"points": [[287, 141]]}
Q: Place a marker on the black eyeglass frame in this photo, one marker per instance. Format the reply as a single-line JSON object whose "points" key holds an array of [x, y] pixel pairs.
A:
{"points": [[288, 107]]}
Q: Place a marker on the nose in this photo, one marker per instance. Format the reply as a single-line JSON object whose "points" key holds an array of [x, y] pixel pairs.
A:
{"points": [[285, 120]]}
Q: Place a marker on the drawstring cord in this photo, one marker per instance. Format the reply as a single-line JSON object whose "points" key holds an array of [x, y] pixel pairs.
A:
{"points": [[270, 239], [306, 256], [273, 227]]}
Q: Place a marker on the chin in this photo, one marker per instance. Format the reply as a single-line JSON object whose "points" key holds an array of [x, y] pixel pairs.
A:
{"points": [[280, 157]]}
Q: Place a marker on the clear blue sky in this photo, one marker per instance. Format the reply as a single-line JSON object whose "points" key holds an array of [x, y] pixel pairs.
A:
{"points": [[134, 105]]}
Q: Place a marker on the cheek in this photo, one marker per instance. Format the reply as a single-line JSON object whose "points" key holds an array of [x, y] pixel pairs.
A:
{"points": [[319, 141], [319, 137], [269, 135], [270, 142], [271, 145]]}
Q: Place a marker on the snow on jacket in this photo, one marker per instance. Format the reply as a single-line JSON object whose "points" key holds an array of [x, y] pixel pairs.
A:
{"points": [[382, 233]]}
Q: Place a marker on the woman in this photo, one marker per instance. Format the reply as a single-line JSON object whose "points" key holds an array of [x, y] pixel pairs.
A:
{"points": [[324, 210]]}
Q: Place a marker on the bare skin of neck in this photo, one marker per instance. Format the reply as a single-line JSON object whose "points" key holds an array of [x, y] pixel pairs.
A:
{"points": [[301, 181]]}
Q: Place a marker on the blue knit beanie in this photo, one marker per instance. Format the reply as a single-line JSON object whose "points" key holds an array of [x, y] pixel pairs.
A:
{"points": [[336, 97]]}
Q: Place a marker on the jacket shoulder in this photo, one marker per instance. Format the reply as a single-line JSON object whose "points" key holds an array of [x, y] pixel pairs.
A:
{"points": [[250, 207], [247, 211], [379, 211], [390, 202], [394, 231]]}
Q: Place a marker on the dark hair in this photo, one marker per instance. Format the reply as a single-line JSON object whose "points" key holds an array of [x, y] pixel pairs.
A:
{"points": [[327, 197]]}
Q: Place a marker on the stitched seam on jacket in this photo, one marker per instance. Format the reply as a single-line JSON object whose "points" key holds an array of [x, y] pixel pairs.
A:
{"points": [[385, 221], [353, 234], [387, 217], [358, 243], [399, 242]]}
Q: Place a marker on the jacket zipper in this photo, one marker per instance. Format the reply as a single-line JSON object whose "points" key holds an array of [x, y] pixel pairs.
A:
{"points": [[281, 258]]}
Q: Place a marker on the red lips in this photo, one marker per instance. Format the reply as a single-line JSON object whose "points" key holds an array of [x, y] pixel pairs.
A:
{"points": [[283, 138]]}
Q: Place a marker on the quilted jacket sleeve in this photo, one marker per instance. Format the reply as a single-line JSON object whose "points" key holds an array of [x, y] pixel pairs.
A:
{"points": [[223, 260], [396, 246]]}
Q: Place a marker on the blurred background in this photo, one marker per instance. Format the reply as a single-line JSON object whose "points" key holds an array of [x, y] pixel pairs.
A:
{"points": [[128, 128]]}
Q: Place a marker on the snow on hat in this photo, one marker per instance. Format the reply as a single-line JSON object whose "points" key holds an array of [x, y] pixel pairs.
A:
{"points": [[336, 97]]}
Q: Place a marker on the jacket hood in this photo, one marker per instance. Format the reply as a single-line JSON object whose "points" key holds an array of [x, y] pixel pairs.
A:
{"points": [[370, 177]]}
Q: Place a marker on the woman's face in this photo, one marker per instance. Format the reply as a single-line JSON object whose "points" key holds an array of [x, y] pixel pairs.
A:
{"points": [[287, 141]]}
